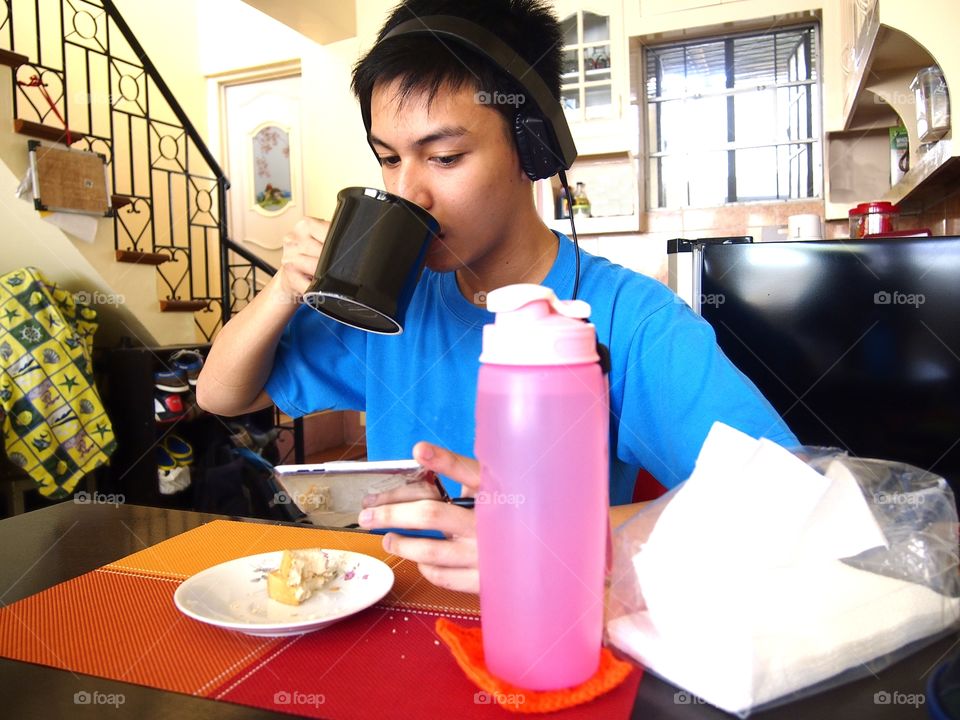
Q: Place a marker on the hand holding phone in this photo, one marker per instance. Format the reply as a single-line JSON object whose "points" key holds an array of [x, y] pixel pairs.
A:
{"points": [[332, 494]]}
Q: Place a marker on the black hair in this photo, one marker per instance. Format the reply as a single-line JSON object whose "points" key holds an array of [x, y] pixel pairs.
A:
{"points": [[426, 64]]}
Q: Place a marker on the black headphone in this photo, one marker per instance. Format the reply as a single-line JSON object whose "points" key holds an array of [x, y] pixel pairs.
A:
{"points": [[543, 138]]}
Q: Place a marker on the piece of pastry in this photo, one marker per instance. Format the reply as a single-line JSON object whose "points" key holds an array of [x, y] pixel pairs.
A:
{"points": [[301, 573]]}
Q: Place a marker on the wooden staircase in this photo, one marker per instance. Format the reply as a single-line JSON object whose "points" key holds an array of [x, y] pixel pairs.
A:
{"points": [[160, 200]]}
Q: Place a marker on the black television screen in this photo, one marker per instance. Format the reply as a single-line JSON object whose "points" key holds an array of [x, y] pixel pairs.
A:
{"points": [[855, 343]]}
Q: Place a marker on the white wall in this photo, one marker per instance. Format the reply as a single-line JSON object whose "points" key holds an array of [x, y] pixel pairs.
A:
{"points": [[235, 36]]}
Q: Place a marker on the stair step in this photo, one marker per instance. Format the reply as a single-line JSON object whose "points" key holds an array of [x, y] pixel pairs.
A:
{"points": [[142, 258], [183, 305], [45, 132], [118, 201], [12, 59]]}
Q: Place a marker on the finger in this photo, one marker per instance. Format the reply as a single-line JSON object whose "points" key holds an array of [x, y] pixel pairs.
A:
{"points": [[417, 490], [460, 579], [308, 226], [421, 515], [460, 553], [459, 468], [294, 280], [317, 228]]}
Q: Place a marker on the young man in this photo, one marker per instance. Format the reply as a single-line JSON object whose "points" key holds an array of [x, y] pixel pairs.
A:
{"points": [[442, 149]]}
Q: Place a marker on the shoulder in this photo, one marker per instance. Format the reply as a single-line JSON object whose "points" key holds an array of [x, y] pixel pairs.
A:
{"points": [[618, 295]]}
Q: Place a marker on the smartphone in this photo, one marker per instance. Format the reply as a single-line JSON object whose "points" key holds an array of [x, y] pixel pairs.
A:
{"points": [[331, 493]]}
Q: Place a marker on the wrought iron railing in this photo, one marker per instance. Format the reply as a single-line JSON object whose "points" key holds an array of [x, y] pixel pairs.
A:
{"points": [[169, 190], [87, 71]]}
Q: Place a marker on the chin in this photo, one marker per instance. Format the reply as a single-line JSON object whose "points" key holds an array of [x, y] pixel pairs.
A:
{"points": [[440, 261], [440, 265]]}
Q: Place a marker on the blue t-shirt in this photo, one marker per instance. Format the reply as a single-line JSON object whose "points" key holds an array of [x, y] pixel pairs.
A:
{"points": [[669, 381]]}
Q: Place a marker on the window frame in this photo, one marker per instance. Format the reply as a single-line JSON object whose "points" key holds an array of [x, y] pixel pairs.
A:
{"points": [[810, 116]]}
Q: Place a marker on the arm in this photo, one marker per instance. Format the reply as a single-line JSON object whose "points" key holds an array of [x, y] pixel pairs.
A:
{"points": [[450, 563], [239, 363]]}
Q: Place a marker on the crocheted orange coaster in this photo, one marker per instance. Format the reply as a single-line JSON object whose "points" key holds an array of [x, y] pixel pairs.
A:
{"points": [[466, 644]]}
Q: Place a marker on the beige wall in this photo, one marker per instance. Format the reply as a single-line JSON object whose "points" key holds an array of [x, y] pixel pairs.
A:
{"points": [[337, 154]]}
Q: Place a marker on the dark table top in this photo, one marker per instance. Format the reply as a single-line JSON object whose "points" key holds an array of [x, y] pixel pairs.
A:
{"points": [[42, 548]]}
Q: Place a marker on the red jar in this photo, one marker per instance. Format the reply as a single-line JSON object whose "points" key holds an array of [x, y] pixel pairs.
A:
{"points": [[873, 218]]}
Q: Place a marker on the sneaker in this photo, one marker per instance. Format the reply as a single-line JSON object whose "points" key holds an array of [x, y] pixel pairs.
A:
{"points": [[168, 406], [178, 449], [165, 481], [190, 362], [174, 381], [174, 481], [164, 460]]}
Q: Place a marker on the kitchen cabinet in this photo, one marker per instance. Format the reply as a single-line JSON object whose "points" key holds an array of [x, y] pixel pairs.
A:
{"points": [[659, 7], [888, 43], [669, 20], [595, 77], [595, 94]]}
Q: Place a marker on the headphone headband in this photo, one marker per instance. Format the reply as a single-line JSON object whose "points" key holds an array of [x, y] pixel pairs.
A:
{"points": [[549, 130]]}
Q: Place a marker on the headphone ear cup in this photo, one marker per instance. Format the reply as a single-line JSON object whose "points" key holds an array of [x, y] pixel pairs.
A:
{"points": [[538, 155]]}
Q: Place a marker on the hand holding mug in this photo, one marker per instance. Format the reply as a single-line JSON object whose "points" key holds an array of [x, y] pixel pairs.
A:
{"points": [[301, 252]]}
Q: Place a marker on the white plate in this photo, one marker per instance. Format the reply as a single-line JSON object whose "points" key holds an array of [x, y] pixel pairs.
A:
{"points": [[233, 595]]}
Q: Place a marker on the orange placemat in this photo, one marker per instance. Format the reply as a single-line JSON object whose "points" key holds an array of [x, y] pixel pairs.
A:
{"points": [[120, 622], [223, 540]]}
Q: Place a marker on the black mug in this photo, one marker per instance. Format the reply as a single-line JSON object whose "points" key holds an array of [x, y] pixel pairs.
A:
{"points": [[371, 261]]}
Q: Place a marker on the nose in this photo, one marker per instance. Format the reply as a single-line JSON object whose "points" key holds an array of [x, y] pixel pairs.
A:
{"points": [[410, 182]]}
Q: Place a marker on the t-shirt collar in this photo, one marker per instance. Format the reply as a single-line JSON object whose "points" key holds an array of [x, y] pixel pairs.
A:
{"points": [[560, 278]]}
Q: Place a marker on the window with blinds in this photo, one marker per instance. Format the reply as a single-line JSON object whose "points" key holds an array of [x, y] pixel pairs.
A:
{"points": [[734, 119]]}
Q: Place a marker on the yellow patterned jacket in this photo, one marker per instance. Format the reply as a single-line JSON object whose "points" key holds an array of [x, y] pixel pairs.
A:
{"points": [[54, 425]]}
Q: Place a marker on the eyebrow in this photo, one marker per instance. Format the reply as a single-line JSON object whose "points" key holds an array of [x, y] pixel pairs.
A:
{"points": [[447, 131]]}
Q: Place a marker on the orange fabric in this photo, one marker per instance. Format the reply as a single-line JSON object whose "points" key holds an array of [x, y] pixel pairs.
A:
{"points": [[120, 622], [125, 627], [222, 540], [466, 644]]}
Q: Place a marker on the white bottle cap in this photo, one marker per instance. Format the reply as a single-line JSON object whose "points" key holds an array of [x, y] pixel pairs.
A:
{"points": [[533, 327]]}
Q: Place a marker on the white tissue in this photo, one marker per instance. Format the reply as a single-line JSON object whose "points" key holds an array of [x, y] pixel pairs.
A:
{"points": [[746, 598]]}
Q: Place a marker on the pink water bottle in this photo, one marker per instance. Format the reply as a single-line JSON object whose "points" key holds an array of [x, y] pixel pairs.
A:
{"points": [[542, 443]]}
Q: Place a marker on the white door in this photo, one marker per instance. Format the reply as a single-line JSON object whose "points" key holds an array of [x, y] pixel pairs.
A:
{"points": [[264, 163]]}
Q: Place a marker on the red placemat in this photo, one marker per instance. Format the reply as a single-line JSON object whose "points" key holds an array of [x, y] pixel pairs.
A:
{"points": [[120, 622]]}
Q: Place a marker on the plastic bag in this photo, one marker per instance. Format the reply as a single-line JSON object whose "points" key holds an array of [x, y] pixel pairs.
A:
{"points": [[814, 624]]}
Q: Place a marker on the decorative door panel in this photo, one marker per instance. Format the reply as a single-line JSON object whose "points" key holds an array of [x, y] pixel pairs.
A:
{"points": [[264, 163]]}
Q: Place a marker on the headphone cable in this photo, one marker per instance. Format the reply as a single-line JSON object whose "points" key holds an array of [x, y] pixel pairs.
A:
{"points": [[573, 230]]}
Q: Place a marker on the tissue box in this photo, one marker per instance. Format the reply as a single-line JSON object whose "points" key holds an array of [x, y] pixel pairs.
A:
{"points": [[764, 574]]}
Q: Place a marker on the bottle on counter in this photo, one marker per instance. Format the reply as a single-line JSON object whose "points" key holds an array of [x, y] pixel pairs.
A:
{"points": [[563, 205], [542, 443], [581, 203]]}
